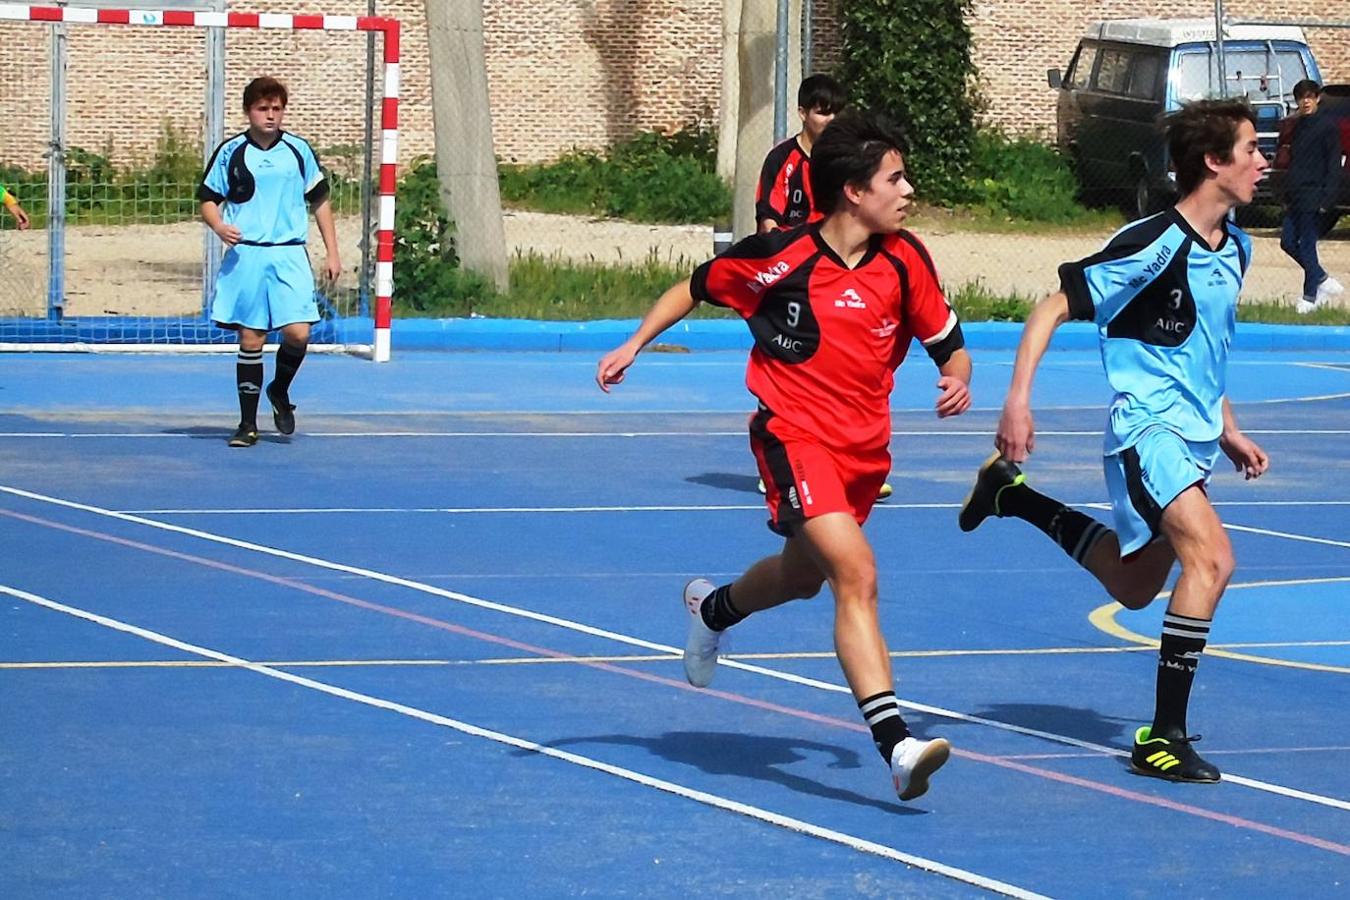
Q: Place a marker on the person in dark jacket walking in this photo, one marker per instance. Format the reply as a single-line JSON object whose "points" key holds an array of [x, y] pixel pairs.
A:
{"points": [[1310, 186]]}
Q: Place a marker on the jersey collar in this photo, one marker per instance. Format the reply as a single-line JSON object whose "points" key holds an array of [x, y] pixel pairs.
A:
{"points": [[1180, 221], [873, 247]]}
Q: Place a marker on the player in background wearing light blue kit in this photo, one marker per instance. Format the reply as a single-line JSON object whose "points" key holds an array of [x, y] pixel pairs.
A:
{"points": [[255, 195], [1163, 294]]}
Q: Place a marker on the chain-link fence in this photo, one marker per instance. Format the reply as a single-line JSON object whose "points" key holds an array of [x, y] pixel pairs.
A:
{"points": [[564, 76]]}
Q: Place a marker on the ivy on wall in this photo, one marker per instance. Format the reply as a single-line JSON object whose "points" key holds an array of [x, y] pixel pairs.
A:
{"points": [[911, 60]]}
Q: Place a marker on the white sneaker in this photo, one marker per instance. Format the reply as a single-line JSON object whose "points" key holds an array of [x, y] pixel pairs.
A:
{"points": [[1305, 305], [703, 644], [912, 763], [1329, 288]]}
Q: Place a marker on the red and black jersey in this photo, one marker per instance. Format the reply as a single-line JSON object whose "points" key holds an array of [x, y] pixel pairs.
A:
{"points": [[828, 338], [784, 190]]}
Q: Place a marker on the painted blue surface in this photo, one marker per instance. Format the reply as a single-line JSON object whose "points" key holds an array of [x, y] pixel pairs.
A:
{"points": [[600, 334], [463, 473]]}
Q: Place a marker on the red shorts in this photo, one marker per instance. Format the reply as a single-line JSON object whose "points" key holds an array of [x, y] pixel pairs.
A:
{"points": [[804, 479]]}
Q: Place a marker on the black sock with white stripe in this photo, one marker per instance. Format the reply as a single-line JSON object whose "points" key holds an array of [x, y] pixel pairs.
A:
{"points": [[1076, 532], [882, 715], [1183, 640], [717, 611], [248, 376]]}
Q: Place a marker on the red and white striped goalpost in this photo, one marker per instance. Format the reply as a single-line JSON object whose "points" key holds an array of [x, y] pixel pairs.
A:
{"points": [[389, 28]]}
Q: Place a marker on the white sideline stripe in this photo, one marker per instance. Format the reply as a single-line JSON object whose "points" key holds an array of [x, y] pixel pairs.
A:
{"points": [[754, 812], [168, 349], [1285, 534], [570, 625], [464, 510], [1208, 752], [661, 657], [365, 348]]}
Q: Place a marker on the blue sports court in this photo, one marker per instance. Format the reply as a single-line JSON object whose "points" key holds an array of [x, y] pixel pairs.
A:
{"points": [[429, 645]]}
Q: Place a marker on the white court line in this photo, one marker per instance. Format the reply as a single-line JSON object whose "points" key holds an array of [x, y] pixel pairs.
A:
{"points": [[591, 630], [462, 510], [1028, 757], [713, 800], [646, 657], [140, 435], [1287, 535]]}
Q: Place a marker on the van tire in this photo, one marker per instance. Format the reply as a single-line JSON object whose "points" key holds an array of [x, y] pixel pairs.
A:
{"points": [[1144, 199]]}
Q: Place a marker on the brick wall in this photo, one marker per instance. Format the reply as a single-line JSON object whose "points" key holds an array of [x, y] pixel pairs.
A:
{"points": [[585, 73], [562, 73]]}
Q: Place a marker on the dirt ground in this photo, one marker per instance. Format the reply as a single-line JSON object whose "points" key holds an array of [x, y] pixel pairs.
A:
{"points": [[156, 269]]}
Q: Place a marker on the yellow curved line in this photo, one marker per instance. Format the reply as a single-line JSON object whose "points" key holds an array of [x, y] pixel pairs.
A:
{"points": [[1103, 618]]}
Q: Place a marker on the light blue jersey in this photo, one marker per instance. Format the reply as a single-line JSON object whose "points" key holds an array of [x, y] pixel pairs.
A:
{"points": [[1165, 305], [266, 194]]}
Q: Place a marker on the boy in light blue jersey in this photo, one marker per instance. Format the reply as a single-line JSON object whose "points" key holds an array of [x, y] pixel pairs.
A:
{"points": [[255, 195], [1163, 294]]}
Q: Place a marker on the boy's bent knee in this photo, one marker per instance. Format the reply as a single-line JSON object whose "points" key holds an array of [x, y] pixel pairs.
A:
{"points": [[805, 588]]}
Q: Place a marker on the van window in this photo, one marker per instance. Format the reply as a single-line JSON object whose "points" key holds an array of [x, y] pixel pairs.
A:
{"points": [[1113, 72], [1144, 76], [1081, 73], [1265, 74]]}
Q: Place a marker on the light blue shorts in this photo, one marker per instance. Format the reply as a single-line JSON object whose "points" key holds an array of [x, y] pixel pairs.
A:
{"points": [[264, 288], [1144, 478]]}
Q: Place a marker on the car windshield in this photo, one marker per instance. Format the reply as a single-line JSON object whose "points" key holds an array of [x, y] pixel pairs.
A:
{"points": [[1263, 72]]}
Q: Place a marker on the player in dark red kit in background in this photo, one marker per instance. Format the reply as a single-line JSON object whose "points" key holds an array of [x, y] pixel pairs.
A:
{"points": [[783, 196], [833, 307]]}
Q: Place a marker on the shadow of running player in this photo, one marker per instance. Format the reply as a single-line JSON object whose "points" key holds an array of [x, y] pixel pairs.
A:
{"points": [[751, 756]]}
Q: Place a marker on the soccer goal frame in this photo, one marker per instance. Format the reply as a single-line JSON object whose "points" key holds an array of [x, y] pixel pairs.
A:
{"points": [[56, 332]]}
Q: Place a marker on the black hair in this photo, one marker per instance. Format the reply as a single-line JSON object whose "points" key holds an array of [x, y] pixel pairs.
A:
{"points": [[821, 92], [1306, 88], [849, 151]]}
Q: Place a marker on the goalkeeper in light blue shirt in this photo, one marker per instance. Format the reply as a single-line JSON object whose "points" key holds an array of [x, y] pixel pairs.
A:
{"points": [[1163, 294], [256, 195]]}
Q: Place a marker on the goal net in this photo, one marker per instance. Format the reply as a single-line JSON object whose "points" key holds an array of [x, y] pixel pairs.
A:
{"points": [[110, 115]]}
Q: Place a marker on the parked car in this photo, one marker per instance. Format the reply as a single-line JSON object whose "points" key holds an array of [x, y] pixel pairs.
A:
{"points": [[1126, 73], [1336, 104]]}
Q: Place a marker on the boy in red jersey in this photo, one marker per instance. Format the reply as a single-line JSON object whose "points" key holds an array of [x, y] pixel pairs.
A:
{"points": [[783, 194], [832, 306]]}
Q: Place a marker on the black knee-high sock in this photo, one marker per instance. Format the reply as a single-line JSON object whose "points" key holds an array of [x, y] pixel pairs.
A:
{"points": [[248, 376], [1075, 532], [717, 611], [1183, 640], [882, 715], [289, 359]]}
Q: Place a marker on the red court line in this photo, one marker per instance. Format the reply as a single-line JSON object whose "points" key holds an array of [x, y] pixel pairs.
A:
{"points": [[741, 699]]}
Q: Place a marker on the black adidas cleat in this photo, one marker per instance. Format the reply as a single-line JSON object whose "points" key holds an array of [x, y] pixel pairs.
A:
{"points": [[1170, 759], [283, 411], [244, 436], [996, 474]]}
